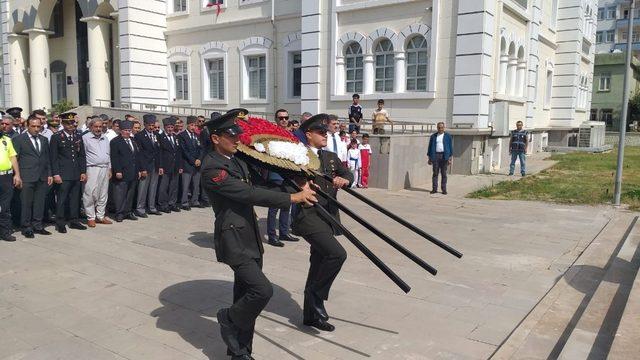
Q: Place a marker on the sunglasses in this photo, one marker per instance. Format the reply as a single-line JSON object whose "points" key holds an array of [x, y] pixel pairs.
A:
{"points": [[283, 118]]}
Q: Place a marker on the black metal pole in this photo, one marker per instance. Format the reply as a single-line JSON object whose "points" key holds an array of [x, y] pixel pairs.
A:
{"points": [[393, 216], [404, 251], [358, 244]]}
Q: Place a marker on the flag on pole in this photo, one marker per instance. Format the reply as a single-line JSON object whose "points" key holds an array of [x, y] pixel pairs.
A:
{"points": [[215, 3]]}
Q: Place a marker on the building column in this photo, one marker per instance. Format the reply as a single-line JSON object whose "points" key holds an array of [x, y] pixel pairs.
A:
{"points": [[512, 76], [98, 31], [340, 74], [400, 73], [39, 69], [502, 76], [369, 74], [19, 57]]}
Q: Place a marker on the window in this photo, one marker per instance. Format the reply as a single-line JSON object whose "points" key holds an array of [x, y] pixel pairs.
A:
{"points": [[610, 36], [296, 74], [180, 5], [626, 14], [600, 13], [181, 80], [354, 69], [599, 37], [549, 89], [522, 3], [593, 116], [606, 115], [417, 63], [257, 75], [611, 13], [215, 71], [57, 20], [635, 37], [58, 79], [384, 66], [605, 82]]}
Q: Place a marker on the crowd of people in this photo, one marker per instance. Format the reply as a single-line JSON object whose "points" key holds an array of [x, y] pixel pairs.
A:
{"points": [[55, 171]]}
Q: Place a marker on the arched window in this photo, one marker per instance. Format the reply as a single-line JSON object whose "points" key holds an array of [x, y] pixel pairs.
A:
{"points": [[385, 71], [520, 73], [417, 64], [58, 71], [354, 67], [502, 71], [511, 70]]}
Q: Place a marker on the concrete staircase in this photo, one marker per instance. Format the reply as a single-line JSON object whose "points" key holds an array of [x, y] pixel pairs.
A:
{"points": [[592, 312]]}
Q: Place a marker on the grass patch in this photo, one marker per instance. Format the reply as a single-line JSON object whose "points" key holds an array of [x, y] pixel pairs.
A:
{"points": [[577, 178]]}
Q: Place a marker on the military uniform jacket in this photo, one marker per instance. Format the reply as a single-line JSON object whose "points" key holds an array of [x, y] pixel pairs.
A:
{"points": [[191, 151], [149, 151], [170, 154], [309, 220], [68, 158], [229, 186]]}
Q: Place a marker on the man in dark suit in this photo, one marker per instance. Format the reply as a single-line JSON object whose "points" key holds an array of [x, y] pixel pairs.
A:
{"points": [[69, 169], [124, 165], [191, 159], [236, 235], [327, 255], [149, 146], [170, 167], [35, 169]]}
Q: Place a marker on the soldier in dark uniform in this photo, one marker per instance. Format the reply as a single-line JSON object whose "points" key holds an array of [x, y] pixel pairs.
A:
{"points": [[69, 168], [18, 121], [170, 167], [236, 237], [125, 158], [327, 255], [16, 129]]}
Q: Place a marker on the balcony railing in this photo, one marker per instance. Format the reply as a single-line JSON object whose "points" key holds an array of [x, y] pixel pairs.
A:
{"points": [[635, 46]]}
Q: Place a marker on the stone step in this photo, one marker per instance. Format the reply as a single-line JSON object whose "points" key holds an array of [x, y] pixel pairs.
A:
{"points": [[572, 312]]}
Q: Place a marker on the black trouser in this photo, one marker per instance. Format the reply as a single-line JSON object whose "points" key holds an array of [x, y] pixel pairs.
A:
{"points": [[168, 191], [123, 195], [439, 166], [6, 193], [50, 202], [327, 257], [251, 293], [16, 207], [33, 197], [68, 195]]}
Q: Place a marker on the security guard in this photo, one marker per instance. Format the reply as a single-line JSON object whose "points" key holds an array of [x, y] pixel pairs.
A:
{"points": [[9, 178], [236, 236], [327, 255], [69, 168], [18, 121]]}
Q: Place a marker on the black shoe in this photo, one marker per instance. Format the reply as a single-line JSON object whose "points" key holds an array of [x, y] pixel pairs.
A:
{"points": [[320, 324], [242, 357], [288, 237], [510, 174], [166, 210], [202, 206], [186, 208], [275, 242], [8, 237], [175, 209], [140, 215], [119, 218], [316, 304], [42, 232], [61, 228], [434, 192], [76, 225], [28, 234], [155, 212], [444, 192], [228, 330], [130, 216]]}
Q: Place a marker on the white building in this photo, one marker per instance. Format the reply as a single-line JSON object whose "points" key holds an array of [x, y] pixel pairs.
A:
{"points": [[477, 65]]}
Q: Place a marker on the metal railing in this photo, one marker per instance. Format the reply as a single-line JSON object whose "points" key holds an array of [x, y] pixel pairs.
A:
{"points": [[366, 125]]}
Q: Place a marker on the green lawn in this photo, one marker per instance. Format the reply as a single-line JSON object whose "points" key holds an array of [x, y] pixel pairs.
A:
{"points": [[577, 178]]}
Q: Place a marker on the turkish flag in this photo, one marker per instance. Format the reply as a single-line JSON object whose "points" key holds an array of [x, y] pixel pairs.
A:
{"points": [[215, 3]]}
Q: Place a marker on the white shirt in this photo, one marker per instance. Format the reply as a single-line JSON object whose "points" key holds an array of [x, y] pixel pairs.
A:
{"points": [[365, 147], [341, 150], [36, 142], [110, 134], [440, 143]]}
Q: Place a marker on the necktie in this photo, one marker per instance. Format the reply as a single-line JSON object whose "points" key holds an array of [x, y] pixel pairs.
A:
{"points": [[130, 144], [335, 143], [35, 141]]}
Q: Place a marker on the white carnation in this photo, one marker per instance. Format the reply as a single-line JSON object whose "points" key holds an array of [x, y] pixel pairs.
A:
{"points": [[259, 147], [289, 151]]}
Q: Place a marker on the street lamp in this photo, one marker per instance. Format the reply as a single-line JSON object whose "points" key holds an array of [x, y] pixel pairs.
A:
{"points": [[625, 107]]}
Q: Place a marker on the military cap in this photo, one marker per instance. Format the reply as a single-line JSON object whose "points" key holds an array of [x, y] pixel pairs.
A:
{"points": [[315, 123], [149, 119], [169, 121], [126, 125], [224, 123], [191, 119], [16, 112], [68, 117], [242, 112]]}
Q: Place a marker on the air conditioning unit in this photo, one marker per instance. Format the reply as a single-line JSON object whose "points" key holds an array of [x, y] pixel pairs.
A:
{"points": [[499, 118], [591, 134]]}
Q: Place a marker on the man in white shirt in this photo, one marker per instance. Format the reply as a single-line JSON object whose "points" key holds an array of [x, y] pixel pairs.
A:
{"points": [[334, 142]]}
